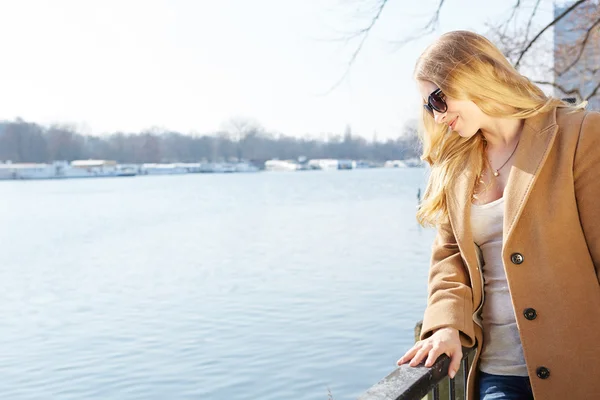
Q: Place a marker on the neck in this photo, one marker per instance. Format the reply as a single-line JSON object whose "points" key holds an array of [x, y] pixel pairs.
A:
{"points": [[502, 132]]}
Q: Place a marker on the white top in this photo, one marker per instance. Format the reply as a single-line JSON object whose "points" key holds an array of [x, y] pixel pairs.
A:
{"points": [[502, 351]]}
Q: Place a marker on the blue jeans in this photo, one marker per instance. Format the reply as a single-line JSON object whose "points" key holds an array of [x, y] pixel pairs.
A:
{"points": [[504, 387]]}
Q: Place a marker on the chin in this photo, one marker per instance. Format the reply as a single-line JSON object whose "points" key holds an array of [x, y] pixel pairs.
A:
{"points": [[466, 134]]}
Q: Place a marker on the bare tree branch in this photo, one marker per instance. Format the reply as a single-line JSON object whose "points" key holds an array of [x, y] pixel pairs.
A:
{"points": [[593, 93], [365, 31], [561, 88], [427, 29], [377, 10], [512, 15], [540, 33], [365, 34], [535, 8], [581, 48]]}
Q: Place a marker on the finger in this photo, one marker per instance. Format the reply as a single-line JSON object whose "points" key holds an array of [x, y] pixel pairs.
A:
{"points": [[455, 363], [434, 353], [420, 355], [409, 354]]}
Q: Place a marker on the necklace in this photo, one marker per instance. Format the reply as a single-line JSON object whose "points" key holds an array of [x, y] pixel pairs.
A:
{"points": [[495, 171]]}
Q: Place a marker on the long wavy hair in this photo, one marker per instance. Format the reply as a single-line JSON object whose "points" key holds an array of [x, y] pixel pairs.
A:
{"points": [[467, 66]]}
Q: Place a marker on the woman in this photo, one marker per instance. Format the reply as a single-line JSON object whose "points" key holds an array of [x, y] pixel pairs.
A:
{"points": [[514, 192]]}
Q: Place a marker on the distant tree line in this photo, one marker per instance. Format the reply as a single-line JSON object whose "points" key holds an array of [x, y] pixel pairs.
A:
{"points": [[22, 141]]}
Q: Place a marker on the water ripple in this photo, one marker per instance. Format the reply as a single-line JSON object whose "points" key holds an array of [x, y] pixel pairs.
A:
{"points": [[264, 286]]}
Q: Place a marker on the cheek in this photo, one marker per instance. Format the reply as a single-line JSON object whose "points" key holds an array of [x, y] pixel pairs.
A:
{"points": [[471, 112], [469, 115], [459, 106]]}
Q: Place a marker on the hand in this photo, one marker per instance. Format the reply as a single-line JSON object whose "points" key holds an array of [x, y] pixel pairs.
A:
{"points": [[443, 341]]}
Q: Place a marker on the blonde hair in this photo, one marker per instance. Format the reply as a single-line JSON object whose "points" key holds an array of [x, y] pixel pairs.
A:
{"points": [[467, 66]]}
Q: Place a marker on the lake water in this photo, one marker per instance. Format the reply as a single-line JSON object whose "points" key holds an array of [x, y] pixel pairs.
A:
{"points": [[266, 286]]}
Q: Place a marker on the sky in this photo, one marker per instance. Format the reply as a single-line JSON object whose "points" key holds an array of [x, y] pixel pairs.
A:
{"points": [[193, 66]]}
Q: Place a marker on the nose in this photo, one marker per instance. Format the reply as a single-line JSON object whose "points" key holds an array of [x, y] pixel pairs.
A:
{"points": [[439, 117]]}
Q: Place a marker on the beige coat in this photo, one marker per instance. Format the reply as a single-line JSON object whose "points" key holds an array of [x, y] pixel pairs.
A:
{"points": [[551, 254]]}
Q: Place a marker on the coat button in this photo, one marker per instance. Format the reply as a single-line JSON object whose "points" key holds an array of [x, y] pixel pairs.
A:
{"points": [[517, 258], [543, 372], [530, 314]]}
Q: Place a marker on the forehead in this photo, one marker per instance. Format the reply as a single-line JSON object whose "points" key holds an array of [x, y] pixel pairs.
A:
{"points": [[425, 88]]}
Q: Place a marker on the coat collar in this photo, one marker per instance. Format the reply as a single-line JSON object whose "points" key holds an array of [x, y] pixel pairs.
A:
{"points": [[536, 141]]}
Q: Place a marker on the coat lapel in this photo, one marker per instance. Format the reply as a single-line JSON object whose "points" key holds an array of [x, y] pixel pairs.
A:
{"points": [[536, 141], [535, 144]]}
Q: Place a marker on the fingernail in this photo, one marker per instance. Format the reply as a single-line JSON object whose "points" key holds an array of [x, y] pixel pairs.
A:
{"points": [[452, 373]]}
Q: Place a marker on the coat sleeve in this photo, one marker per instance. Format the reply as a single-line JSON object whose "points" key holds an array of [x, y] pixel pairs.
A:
{"points": [[450, 300], [586, 172]]}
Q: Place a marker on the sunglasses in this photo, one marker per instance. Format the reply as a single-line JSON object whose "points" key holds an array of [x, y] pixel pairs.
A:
{"points": [[436, 102]]}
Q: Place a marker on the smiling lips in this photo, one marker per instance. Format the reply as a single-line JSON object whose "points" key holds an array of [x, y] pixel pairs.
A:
{"points": [[453, 123]]}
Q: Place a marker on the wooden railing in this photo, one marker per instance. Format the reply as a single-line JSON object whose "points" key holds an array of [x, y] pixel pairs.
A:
{"points": [[414, 383]]}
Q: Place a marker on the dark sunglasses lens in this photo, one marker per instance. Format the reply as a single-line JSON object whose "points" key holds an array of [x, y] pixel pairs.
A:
{"points": [[437, 103], [429, 110]]}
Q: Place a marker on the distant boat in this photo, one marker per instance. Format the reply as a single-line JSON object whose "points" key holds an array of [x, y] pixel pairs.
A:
{"points": [[414, 162], [10, 171], [245, 167], [227, 167], [59, 170], [90, 169], [162, 169], [281, 165], [224, 168], [127, 170], [325, 164], [395, 164], [190, 167], [346, 164], [408, 163], [364, 164]]}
